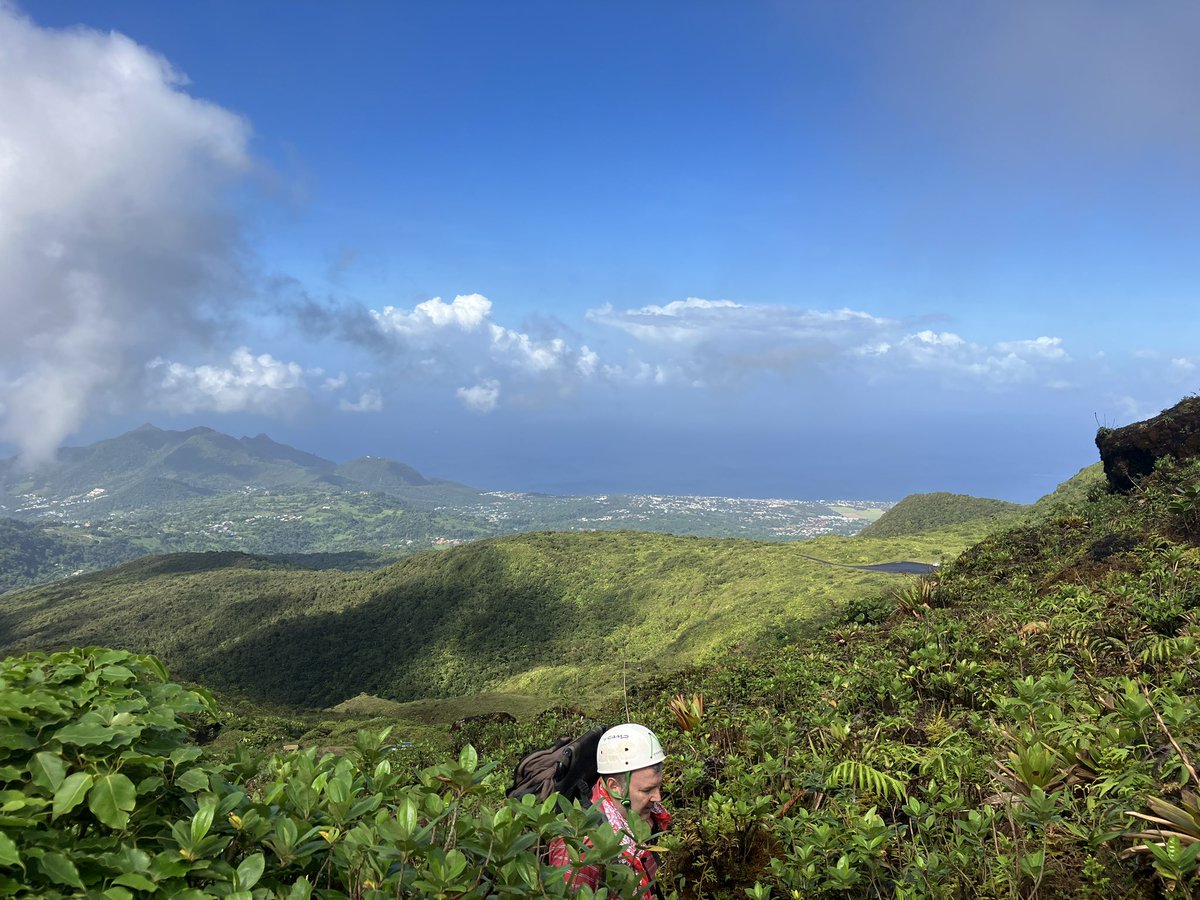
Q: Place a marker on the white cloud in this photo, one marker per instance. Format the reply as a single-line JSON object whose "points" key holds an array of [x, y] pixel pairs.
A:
{"points": [[698, 321], [1005, 362], [481, 398], [248, 384], [465, 312], [712, 342], [442, 343], [520, 350], [1042, 347], [587, 362], [115, 238], [369, 401]]}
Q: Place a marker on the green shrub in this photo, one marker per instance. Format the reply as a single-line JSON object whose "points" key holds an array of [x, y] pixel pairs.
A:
{"points": [[103, 795]]}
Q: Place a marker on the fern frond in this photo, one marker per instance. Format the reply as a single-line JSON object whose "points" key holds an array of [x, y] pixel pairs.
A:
{"points": [[867, 779]]}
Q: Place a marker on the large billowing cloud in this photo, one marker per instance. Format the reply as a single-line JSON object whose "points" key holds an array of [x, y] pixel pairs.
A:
{"points": [[115, 234]]}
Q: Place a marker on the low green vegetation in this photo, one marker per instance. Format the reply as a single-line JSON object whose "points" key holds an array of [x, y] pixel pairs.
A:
{"points": [[1083, 487], [1025, 724], [918, 513], [541, 614], [105, 795]]}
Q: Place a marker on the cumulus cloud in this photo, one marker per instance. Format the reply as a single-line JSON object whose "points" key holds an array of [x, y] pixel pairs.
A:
{"points": [[440, 343], [704, 342], [369, 401], [249, 383], [481, 398], [465, 313], [115, 237]]}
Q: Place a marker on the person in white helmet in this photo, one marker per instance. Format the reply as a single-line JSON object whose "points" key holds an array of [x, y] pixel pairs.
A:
{"points": [[629, 760]]}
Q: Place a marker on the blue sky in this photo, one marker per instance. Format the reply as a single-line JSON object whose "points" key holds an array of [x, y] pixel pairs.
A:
{"points": [[764, 249]]}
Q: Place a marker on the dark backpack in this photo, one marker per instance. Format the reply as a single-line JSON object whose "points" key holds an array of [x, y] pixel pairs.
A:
{"points": [[567, 766]]}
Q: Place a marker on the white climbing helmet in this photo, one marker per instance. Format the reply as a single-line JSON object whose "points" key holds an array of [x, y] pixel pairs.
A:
{"points": [[627, 748]]}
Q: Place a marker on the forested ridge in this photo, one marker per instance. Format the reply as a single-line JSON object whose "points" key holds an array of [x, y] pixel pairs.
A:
{"points": [[538, 613], [917, 513]]}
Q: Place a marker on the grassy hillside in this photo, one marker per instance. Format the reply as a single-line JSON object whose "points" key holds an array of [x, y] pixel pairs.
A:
{"points": [[1073, 494], [534, 614], [927, 512]]}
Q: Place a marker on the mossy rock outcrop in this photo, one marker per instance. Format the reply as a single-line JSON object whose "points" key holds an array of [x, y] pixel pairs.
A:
{"points": [[1129, 453]]}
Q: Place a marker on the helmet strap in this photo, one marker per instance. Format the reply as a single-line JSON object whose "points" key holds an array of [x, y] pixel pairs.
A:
{"points": [[626, 800]]}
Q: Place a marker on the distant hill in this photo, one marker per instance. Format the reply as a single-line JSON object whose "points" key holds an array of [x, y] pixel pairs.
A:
{"points": [[150, 467], [918, 513], [532, 614], [382, 474]]}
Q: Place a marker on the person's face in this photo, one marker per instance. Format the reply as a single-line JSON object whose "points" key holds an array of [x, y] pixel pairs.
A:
{"points": [[645, 789]]}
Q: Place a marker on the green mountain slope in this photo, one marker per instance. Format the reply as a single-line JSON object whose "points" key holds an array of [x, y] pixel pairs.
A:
{"points": [[926, 512], [149, 466], [533, 614], [1073, 494]]}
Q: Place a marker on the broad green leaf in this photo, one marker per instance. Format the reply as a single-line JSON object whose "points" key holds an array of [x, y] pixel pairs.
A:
{"points": [[47, 770], [193, 780], [16, 739], [112, 798], [468, 758], [116, 673], [134, 880], [202, 820], [301, 890], [8, 851], [64, 673], [108, 657], [129, 859], [58, 868], [185, 754], [250, 871], [406, 816], [117, 893], [151, 784], [71, 793], [85, 734]]}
